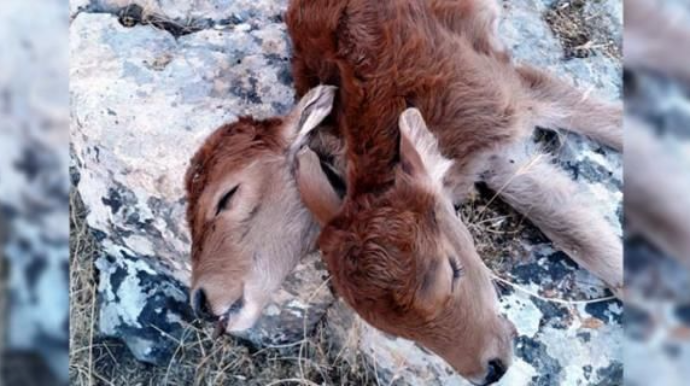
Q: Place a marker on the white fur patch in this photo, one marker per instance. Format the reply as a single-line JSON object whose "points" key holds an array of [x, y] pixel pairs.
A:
{"points": [[319, 102]]}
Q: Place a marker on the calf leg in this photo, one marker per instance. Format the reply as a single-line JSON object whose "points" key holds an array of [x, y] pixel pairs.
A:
{"points": [[557, 103], [528, 182], [560, 105]]}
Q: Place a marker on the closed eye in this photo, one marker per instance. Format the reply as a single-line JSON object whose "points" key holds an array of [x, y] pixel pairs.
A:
{"points": [[225, 200], [456, 268]]}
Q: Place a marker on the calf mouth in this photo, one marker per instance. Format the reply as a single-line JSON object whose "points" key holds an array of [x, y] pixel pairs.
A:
{"points": [[219, 330], [221, 324]]}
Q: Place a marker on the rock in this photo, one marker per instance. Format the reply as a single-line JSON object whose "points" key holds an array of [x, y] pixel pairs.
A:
{"points": [[143, 99], [143, 308], [611, 13], [526, 35], [186, 11], [552, 348], [149, 311], [77, 6]]}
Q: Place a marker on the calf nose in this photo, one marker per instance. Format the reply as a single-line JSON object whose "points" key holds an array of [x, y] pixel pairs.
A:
{"points": [[201, 307], [496, 371]]}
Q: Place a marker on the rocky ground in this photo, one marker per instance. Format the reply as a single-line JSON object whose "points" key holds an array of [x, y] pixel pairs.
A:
{"points": [[149, 82]]}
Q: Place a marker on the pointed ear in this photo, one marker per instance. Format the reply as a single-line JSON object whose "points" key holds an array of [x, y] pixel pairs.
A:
{"points": [[419, 152], [319, 185], [310, 111]]}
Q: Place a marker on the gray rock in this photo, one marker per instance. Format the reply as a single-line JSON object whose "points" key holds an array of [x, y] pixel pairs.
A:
{"points": [[526, 35], [77, 6], [141, 307], [612, 15], [149, 311], [187, 11], [143, 99]]}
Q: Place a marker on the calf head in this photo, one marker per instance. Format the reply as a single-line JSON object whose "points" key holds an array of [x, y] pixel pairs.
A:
{"points": [[248, 225], [403, 260]]}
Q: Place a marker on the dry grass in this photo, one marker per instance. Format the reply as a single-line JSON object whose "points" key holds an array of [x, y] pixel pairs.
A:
{"points": [[83, 250], [198, 359], [581, 34], [201, 360], [497, 229]]}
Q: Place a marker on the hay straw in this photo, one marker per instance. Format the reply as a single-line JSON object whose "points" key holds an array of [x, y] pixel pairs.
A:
{"points": [[550, 299]]}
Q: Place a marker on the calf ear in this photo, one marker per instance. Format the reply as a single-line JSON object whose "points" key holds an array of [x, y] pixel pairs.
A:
{"points": [[319, 185], [419, 152], [310, 111]]}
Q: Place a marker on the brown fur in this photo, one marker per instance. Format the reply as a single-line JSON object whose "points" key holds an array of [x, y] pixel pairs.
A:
{"points": [[247, 137]]}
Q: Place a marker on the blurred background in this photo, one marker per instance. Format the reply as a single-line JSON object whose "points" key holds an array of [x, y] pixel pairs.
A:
{"points": [[34, 191], [657, 182]]}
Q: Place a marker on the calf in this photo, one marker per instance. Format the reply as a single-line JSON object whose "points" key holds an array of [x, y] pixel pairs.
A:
{"points": [[398, 254]]}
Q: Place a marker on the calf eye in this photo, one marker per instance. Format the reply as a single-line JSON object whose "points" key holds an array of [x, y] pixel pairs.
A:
{"points": [[456, 268], [225, 200]]}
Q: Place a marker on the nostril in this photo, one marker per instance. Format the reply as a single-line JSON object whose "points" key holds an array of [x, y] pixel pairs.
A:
{"points": [[496, 371], [201, 307]]}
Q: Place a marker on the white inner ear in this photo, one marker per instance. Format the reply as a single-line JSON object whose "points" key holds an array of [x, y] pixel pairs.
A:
{"points": [[314, 107], [412, 125]]}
